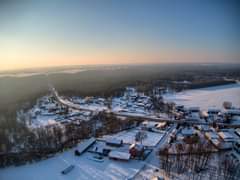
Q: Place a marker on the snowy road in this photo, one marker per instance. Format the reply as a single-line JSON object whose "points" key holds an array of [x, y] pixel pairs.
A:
{"points": [[152, 161]]}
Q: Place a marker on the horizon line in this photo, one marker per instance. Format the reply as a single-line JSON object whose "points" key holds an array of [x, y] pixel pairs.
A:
{"points": [[113, 64]]}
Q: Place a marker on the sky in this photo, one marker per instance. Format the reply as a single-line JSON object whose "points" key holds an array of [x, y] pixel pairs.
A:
{"points": [[85, 32]]}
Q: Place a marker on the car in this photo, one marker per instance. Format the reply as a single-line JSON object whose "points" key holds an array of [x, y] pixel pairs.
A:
{"points": [[97, 158], [68, 169], [77, 153]]}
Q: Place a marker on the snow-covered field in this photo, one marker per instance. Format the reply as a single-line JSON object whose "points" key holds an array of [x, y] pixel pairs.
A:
{"points": [[85, 169], [207, 97], [128, 137]]}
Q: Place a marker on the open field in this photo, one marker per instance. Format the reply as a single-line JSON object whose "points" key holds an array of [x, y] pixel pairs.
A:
{"points": [[207, 97], [85, 168]]}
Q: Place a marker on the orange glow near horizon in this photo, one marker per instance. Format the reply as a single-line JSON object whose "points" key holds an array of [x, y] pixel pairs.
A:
{"points": [[15, 56], [32, 60], [29, 55], [46, 34]]}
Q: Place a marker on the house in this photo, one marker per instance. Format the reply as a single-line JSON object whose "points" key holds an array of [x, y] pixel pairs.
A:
{"points": [[222, 140], [85, 145], [204, 128], [188, 132], [161, 125], [114, 142], [214, 114], [213, 111], [211, 135], [194, 113], [118, 155], [194, 109], [213, 138], [232, 112], [226, 136], [101, 148], [153, 126], [180, 108], [136, 150], [146, 125]]}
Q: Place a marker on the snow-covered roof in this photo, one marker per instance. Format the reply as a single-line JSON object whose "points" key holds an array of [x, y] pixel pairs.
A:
{"points": [[215, 142], [139, 147], [149, 123], [161, 124], [87, 113], [188, 131], [119, 155], [237, 131], [233, 111], [84, 145], [194, 109], [114, 141], [212, 135], [214, 110], [204, 127], [225, 135]]}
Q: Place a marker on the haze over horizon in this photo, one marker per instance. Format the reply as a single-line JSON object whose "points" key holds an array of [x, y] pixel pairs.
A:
{"points": [[59, 33]]}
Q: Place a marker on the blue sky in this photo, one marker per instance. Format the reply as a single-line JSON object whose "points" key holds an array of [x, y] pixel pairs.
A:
{"points": [[110, 31]]}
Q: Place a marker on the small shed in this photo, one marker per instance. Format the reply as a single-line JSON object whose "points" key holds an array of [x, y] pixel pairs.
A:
{"points": [[118, 155], [85, 145], [136, 150], [114, 142]]}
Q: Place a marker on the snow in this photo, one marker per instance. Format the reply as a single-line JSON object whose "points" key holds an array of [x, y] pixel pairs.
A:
{"points": [[211, 135], [47, 111], [188, 131], [84, 145], [114, 141], [85, 169], [128, 137], [207, 97], [237, 131], [119, 155], [44, 121], [226, 136]]}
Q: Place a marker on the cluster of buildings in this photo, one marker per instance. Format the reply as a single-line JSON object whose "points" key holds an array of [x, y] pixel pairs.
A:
{"points": [[48, 111], [134, 144], [132, 102], [230, 115], [218, 137], [139, 142]]}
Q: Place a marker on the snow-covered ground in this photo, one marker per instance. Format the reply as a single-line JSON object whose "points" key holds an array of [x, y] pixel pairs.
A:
{"points": [[48, 111], [207, 97], [85, 169], [128, 137]]}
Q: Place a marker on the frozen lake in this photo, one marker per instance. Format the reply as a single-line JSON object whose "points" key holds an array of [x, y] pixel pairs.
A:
{"points": [[207, 97]]}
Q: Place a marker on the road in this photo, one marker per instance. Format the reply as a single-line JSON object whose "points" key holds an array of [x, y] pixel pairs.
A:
{"points": [[153, 162]]}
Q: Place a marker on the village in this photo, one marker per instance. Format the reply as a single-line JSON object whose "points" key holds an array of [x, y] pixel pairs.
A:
{"points": [[120, 90], [139, 150]]}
